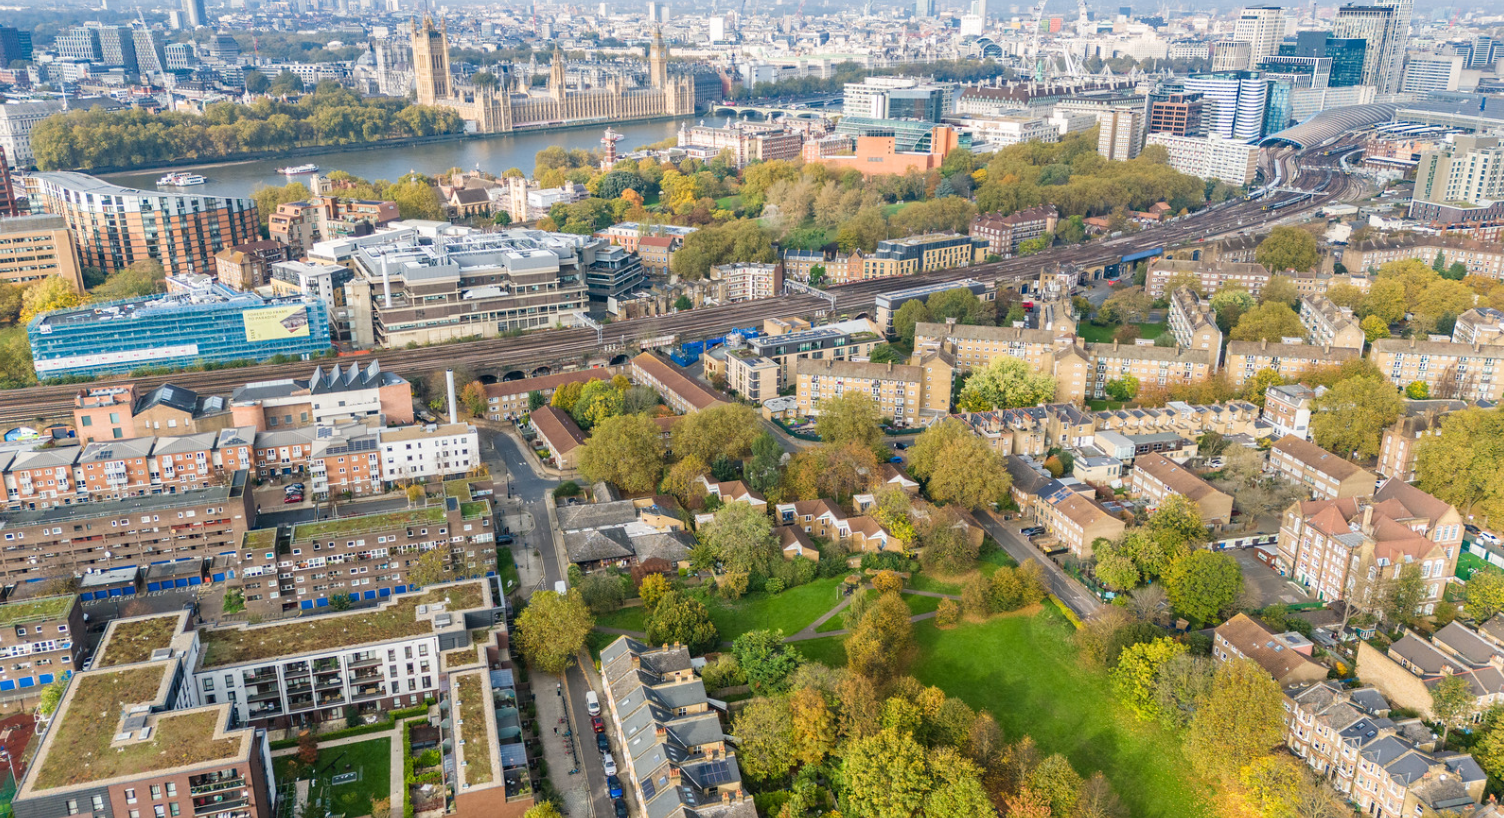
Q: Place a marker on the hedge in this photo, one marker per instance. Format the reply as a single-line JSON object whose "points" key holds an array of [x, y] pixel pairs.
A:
{"points": [[392, 717], [1070, 615]]}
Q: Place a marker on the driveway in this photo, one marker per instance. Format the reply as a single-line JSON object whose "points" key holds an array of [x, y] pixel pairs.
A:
{"points": [[1068, 590], [1264, 585]]}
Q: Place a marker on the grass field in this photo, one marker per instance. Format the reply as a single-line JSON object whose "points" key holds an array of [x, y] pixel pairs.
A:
{"points": [[372, 758], [1024, 671], [952, 585], [627, 619], [789, 611], [1467, 563]]}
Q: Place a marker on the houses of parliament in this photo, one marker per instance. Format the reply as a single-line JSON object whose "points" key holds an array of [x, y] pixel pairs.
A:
{"points": [[513, 105]]}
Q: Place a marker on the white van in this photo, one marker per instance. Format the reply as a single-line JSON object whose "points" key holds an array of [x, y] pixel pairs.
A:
{"points": [[592, 703]]}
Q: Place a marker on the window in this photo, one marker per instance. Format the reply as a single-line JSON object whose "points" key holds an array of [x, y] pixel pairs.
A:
{"points": [[98, 801], [173, 809], [172, 789], [156, 792], [130, 796], [88, 420], [72, 806]]}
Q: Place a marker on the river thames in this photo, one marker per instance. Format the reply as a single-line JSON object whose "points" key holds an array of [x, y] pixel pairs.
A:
{"points": [[492, 154]]}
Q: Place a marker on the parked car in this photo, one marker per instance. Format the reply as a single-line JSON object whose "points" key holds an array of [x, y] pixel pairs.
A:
{"points": [[1032, 531], [598, 724], [295, 488], [613, 785], [609, 763], [592, 701], [900, 446], [895, 460], [292, 498], [620, 807], [1488, 538], [602, 743], [505, 539]]}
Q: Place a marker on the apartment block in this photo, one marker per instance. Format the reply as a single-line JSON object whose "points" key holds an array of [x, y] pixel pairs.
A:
{"points": [[973, 347], [1328, 476], [1449, 370], [1341, 548], [1190, 421], [1210, 157], [1389, 767], [750, 375], [680, 392], [889, 303], [338, 394], [1193, 322], [115, 227], [508, 400], [1213, 275], [248, 266], [36, 247], [1481, 258], [1288, 409], [1155, 477], [841, 341], [748, 281], [1245, 358], [677, 760], [364, 558], [168, 751], [915, 254], [311, 669], [1422, 419], [1120, 133], [1003, 234], [416, 453], [1479, 325], [1330, 325], [1153, 366], [900, 391], [42, 638]]}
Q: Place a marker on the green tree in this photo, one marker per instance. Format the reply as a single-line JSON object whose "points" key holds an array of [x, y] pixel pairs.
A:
{"points": [[1489, 748], [1280, 290], [1464, 464], [1351, 417], [536, 401], [598, 401], [1057, 782], [142, 278], [286, 83], [1204, 584], [1241, 719], [956, 790], [1269, 321], [1417, 390], [626, 450], [1122, 389], [1386, 300], [909, 313], [766, 660], [1288, 248], [1136, 676], [1452, 704], [1006, 383], [1255, 387], [883, 644], [602, 591], [1374, 328], [52, 695], [1176, 526], [552, 628], [1485, 593], [957, 466], [741, 537], [680, 618], [51, 293], [761, 472], [765, 739], [958, 303], [256, 82], [727, 430], [1403, 594], [852, 417], [885, 776]]}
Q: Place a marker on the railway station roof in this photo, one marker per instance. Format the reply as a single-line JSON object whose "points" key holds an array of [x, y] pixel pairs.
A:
{"points": [[1333, 123]]}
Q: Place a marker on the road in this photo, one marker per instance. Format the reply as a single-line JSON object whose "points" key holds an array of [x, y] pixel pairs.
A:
{"points": [[1068, 590], [507, 461]]}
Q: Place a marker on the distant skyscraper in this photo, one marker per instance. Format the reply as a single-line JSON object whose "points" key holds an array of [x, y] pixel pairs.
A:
{"points": [[15, 44], [1261, 27], [1385, 27], [198, 16], [979, 8], [652, 11], [924, 8], [717, 29]]}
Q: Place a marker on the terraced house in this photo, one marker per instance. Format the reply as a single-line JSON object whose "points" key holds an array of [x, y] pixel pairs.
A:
{"points": [[676, 756]]}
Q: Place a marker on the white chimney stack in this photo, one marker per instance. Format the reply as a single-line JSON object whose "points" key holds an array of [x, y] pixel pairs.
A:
{"points": [[454, 416]]}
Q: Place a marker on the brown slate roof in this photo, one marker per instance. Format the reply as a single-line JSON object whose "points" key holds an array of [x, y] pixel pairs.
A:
{"points": [[558, 428], [1257, 642], [674, 379], [504, 389], [1316, 457], [1178, 478]]}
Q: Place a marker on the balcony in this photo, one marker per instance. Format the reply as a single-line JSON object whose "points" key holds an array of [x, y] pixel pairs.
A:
{"points": [[300, 703], [323, 665], [264, 694], [274, 709], [366, 660], [369, 692], [218, 805], [263, 676], [328, 682], [214, 784], [302, 687], [332, 699]]}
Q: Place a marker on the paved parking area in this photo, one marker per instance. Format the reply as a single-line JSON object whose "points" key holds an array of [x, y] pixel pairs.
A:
{"points": [[1264, 584]]}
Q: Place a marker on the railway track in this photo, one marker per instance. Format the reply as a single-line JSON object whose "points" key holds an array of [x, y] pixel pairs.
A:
{"points": [[51, 403]]}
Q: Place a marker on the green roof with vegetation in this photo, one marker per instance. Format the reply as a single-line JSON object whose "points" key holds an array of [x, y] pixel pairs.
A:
{"points": [[134, 640], [479, 508], [79, 752], [474, 710], [458, 488], [396, 620], [260, 538], [41, 609], [349, 526]]}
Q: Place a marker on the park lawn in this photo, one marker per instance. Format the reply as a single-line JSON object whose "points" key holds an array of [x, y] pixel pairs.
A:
{"points": [[729, 202], [1024, 671], [921, 604], [829, 650], [952, 584], [372, 758], [627, 619], [790, 611], [1103, 335]]}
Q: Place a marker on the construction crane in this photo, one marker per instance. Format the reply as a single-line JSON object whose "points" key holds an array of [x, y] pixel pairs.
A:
{"points": [[1033, 52]]}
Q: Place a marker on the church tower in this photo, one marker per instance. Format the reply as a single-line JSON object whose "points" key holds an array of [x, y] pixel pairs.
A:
{"points": [[658, 61], [556, 82], [431, 61]]}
